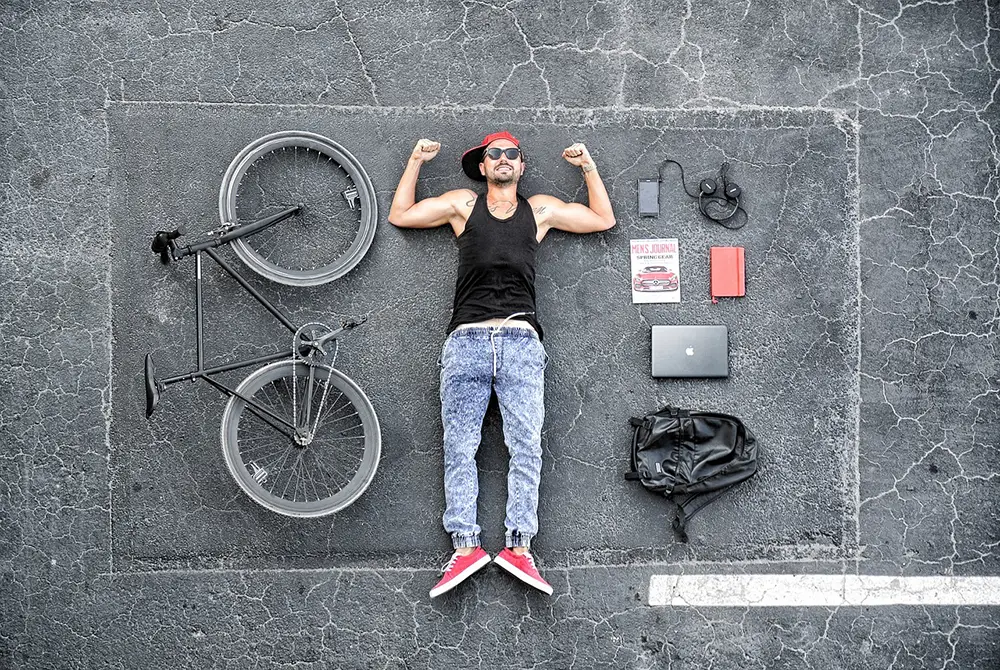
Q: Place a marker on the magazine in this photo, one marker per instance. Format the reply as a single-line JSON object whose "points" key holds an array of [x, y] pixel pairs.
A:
{"points": [[656, 271]]}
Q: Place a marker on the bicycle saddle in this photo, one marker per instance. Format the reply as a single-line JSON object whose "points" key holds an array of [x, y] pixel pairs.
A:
{"points": [[153, 387]]}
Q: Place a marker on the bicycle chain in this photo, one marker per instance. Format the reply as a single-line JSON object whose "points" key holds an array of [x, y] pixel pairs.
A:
{"points": [[309, 361]]}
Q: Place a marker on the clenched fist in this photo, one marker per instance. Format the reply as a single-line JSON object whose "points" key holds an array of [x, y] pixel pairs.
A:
{"points": [[425, 150], [578, 155]]}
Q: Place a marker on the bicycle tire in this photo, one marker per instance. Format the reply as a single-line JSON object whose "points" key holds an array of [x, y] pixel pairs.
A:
{"points": [[343, 261], [246, 437]]}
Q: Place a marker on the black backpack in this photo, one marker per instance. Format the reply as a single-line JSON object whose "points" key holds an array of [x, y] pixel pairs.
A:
{"points": [[691, 458]]}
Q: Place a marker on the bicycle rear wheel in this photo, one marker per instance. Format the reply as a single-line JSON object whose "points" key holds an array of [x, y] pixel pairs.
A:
{"points": [[321, 477], [334, 229]]}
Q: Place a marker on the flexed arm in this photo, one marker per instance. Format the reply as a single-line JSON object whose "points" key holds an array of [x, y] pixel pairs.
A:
{"points": [[405, 212], [596, 215]]}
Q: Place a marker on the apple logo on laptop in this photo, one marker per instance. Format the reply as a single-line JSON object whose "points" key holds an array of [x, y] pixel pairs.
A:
{"points": [[689, 351]]}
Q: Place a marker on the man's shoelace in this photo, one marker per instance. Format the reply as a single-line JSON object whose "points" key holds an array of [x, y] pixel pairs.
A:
{"points": [[450, 563]]}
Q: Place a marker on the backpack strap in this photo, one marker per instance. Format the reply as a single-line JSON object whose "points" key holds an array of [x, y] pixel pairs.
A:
{"points": [[686, 509], [633, 474], [678, 525]]}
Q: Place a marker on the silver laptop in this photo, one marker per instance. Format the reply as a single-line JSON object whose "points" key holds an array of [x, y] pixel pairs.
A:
{"points": [[690, 351]]}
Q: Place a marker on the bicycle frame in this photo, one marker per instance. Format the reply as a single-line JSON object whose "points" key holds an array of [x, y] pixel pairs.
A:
{"points": [[155, 386]]}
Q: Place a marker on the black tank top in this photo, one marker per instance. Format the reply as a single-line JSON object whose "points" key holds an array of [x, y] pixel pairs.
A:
{"points": [[496, 267]]}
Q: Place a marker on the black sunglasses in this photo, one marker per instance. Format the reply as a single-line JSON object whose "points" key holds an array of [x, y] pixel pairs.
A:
{"points": [[512, 153]]}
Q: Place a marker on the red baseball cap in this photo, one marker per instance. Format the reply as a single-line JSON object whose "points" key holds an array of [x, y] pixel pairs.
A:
{"points": [[474, 156]]}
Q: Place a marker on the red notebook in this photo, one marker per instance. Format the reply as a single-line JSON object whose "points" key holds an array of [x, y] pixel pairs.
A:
{"points": [[728, 274]]}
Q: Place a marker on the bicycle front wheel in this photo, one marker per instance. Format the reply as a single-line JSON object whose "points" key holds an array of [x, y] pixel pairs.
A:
{"points": [[335, 226], [301, 475]]}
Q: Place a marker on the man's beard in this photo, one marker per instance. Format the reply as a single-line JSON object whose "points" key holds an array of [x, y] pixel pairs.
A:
{"points": [[502, 179]]}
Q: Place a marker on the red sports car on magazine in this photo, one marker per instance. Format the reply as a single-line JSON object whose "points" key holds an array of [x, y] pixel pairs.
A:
{"points": [[655, 278]]}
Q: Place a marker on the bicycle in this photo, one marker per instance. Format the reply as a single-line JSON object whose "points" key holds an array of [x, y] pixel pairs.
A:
{"points": [[299, 436]]}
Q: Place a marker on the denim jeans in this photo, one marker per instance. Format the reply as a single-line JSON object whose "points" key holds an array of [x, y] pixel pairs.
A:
{"points": [[510, 359]]}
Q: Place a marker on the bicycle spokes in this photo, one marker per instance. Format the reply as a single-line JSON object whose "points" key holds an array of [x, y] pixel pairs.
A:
{"points": [[329, 459], [335, 227]]}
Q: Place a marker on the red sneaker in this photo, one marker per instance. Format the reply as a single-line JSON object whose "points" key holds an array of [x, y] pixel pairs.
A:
{"points": [[460, 568], [523, 567]]}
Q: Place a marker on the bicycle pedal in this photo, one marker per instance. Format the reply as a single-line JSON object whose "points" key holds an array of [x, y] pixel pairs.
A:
{"points": [[351, 195], [258, 473]]}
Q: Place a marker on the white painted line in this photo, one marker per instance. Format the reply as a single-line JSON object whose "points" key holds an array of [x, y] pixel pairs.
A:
{"points": [[820, 591]]}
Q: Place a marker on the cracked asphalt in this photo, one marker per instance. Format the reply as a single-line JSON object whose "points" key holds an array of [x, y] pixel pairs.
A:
{"points": [[864, 355]]}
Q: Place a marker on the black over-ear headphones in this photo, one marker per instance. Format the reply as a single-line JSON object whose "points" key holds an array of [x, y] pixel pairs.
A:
{"points": [[723, 208]]}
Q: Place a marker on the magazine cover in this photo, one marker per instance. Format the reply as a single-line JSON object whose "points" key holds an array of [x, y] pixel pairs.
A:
{"points": [[656, 271]]}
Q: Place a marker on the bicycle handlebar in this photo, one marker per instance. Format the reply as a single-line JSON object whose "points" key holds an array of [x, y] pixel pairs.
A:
{"points": [[164, 245]]}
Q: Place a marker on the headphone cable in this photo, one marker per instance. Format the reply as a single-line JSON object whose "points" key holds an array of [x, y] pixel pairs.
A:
{"points": [[722, 222], [659, 175]]}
